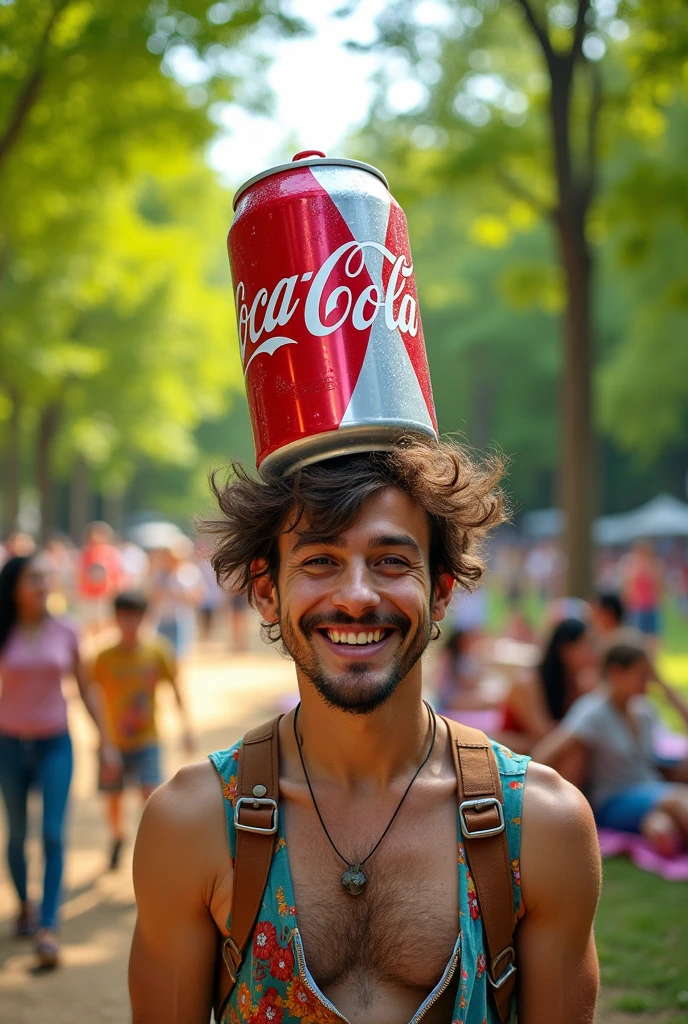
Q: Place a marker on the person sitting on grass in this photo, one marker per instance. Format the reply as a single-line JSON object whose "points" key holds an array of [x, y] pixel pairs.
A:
{"points": [[127, 675], [605, 744], [538, 700]]}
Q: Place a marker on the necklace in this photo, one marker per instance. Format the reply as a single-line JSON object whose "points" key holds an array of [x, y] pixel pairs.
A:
{"points": [[353, 879]]}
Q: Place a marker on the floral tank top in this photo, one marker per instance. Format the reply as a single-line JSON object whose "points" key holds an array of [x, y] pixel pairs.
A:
{"points": [[274, 985]]}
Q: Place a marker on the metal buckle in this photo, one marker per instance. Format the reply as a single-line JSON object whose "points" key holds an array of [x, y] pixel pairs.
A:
{"points": [[511, 969], [230, 950], [256, 801], [479, 805]]}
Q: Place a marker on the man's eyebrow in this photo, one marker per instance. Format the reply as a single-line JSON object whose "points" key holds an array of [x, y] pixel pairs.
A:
{"points": [[332, 540], [395, 540]]}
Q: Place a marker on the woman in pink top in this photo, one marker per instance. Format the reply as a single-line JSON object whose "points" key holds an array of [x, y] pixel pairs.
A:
{"points": [[36, 651]]}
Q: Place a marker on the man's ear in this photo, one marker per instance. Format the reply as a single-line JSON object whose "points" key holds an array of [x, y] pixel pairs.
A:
{"points": [[442, 595], [264, 591]]}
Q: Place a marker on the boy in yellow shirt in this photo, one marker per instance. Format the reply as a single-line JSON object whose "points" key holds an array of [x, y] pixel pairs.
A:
{"points": [[128, 674]]}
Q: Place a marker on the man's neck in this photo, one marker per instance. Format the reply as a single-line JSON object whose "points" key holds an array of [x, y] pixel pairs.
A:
{"points": [[364, 751]]}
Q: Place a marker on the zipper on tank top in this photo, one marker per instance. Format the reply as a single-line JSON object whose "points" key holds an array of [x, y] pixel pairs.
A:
{"points": [[439, 990]]}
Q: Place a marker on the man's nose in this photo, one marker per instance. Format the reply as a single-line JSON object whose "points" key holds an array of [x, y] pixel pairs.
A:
{"points": [[355, 592]]}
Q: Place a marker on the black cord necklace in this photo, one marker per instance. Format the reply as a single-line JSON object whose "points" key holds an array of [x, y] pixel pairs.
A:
{"points": [[353, 879]]}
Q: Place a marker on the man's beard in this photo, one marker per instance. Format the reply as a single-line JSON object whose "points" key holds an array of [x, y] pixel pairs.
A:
{"points": [[357, 690]]}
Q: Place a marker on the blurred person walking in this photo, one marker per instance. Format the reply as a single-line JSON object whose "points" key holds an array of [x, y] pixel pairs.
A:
{"points": [[176, 590], [642, 582], [59, 560], [99, 574], [213, 594], [36, 652], [128, 674], [134, 565], [605, 743], [538, 700]]}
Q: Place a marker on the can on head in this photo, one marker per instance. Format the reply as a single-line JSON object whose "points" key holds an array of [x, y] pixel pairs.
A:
{"points": [[329, 329]]}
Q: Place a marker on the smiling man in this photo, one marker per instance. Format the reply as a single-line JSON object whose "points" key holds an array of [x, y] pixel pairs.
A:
{"points": [[370, 912]]}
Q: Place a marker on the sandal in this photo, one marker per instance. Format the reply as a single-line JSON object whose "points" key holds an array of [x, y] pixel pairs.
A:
{"points": [[48, 952], [26, 925]]}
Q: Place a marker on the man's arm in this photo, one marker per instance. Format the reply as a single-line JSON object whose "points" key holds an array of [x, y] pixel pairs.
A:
{"points": [[181, 861], [558, 974]]}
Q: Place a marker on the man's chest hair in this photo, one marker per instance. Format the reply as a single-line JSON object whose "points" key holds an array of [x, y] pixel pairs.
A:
{"points": [[401, 929]]}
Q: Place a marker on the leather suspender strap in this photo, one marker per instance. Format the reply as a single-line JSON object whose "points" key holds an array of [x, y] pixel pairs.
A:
{"points": [[256, 819], [481, 815]]}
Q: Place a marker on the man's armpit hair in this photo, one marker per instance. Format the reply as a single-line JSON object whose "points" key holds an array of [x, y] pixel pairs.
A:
{"points": [[459, 493]]}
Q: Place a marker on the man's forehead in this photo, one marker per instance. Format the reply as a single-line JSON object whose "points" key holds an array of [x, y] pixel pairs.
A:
{"points": [[390, 512]]}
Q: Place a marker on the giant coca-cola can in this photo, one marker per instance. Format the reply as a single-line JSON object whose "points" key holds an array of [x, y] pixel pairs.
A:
{"points": [[329, 328]]}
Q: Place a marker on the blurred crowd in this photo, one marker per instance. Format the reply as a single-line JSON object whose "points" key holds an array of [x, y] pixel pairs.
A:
{"points": [[119, 617], [574, 690], [184, 598]]}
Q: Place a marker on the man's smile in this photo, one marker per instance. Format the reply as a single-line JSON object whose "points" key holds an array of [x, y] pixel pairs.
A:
{"points": [[356, 641]]}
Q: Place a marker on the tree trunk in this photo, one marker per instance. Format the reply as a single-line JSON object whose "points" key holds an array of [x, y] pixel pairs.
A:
{"points": [[12, 467], [113, 510], [79, 503], [576, 477], [47, 429]]}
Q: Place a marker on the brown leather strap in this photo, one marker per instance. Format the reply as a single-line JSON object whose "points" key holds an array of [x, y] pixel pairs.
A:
{"points": [[258, 786], [478, 783]]}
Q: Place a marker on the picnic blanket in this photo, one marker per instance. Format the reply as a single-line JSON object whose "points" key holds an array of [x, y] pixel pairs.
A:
{"points": [[639, 851]]}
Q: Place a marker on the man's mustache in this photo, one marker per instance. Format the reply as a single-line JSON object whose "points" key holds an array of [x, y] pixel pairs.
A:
{"points": [[371, 620]]}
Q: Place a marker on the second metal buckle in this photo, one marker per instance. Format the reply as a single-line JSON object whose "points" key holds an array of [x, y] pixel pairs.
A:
{"points": [[511, 969], [255, 802], [480, 805], [230, 952]]}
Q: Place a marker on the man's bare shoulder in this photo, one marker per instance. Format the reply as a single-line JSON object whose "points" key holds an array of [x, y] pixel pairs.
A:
{"points": [[559, 847], [186, 815]]}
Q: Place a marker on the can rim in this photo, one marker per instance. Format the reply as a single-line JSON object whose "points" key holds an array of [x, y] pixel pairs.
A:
{"points": [[311, 161]]}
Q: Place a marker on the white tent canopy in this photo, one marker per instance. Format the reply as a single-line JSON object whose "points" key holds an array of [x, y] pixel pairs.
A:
{"points": [[663, 516]]}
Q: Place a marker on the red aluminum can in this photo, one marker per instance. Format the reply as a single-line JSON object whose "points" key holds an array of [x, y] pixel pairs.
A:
{"points": [[329, 329]]}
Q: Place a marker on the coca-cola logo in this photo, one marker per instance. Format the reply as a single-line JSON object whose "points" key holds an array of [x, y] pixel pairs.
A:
{"points": [[322, 316]]}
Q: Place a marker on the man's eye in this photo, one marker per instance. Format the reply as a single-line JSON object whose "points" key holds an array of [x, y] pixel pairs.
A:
{"points": [[319, 561], [392, 560]]}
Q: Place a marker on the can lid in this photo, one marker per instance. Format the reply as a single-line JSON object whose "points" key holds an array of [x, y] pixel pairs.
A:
{"points": [[309, 158]]}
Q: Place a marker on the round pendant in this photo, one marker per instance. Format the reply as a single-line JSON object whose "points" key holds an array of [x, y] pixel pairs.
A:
{"points": [[354, 880]]}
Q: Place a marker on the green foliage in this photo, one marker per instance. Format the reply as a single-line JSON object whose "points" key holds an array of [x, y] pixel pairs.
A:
{"points": [[113, 282], [492, 289]]}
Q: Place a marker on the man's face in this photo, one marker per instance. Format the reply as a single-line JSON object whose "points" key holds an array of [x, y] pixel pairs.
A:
{"points": [[356, 610], [632, 681]]}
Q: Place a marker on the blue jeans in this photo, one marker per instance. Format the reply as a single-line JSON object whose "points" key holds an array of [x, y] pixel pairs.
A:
{"points": [[46, 763]]}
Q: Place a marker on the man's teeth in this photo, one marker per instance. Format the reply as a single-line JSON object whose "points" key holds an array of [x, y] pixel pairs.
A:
{"points": [[339, 637]]}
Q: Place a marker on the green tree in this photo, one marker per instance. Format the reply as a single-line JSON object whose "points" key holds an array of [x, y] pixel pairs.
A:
{"points": [[95, 101], [511, 101]]}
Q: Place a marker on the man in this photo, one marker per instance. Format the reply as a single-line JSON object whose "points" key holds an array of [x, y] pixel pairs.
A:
{"points": [[607, 741], [127, 674], [351, 562], [607, 613], [98, 577]]}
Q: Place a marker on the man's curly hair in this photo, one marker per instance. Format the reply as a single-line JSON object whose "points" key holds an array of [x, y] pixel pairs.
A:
{"points": [[459, 494]]}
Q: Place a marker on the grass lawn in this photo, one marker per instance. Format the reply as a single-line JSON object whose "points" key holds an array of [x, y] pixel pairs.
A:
{"points": [[642, 940]]}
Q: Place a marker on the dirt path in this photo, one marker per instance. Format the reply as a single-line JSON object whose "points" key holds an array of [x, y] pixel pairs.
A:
{"points": [[227, 695]]}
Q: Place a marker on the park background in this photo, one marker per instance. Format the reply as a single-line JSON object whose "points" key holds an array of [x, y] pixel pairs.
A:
{"points": [[540, 151]]}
